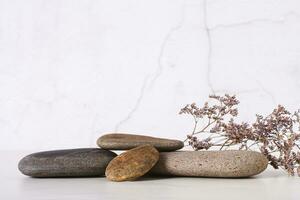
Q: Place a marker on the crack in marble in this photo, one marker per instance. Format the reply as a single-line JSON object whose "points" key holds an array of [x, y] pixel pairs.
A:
{"points": [[209, 30], [209, 53], [136, 106], [164, 44], [254, 21], [266, 91], [158, 71]]}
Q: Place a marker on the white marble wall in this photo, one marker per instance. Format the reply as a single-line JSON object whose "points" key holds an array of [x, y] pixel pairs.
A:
{"points": [[73, 69]]}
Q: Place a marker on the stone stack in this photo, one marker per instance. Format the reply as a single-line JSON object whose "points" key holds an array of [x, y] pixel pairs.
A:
{"points": [[143, 155]]}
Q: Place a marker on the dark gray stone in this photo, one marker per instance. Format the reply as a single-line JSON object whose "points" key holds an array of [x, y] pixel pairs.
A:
{"points": [[122, 141], [67, 163]]}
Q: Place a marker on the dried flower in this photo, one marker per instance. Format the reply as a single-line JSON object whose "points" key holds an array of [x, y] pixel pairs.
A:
{"points": [[277, 135]]}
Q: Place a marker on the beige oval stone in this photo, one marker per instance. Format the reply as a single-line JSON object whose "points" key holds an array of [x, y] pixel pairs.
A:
{"points": [[210, 163], [123, 141], [132, 164]]}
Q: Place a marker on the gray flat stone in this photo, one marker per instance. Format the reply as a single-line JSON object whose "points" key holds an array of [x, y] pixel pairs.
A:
{"points": [[118, 141], [210, 163], [67, 163]]}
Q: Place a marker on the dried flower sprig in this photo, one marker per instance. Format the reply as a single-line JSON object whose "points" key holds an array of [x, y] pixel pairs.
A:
{"points": [[277, 135]]}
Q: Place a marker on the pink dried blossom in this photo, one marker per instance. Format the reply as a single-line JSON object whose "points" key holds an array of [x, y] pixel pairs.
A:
{"points": [[277, 135]]}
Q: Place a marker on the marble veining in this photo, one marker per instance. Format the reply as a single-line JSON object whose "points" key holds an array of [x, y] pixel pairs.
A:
{"points": [[71, 71]]}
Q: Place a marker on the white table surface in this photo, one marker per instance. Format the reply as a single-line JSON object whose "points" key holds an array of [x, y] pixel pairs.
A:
{"points": [[270, 184]]}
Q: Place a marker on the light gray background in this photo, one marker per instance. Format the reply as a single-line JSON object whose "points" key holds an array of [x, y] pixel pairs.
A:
{"points": [[71, 70]]}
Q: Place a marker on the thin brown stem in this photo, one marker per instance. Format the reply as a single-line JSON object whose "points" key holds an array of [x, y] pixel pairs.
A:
{"points": [[224, 144]]}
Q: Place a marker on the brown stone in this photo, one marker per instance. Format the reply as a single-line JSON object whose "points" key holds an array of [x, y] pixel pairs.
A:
{"points": [[132, 164], [210, 163], [121, 141]]}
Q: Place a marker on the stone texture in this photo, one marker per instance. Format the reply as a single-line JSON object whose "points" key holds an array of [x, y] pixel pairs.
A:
{"points": [[210, 163], [67, 163], [118, 141], [132, 164]]}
